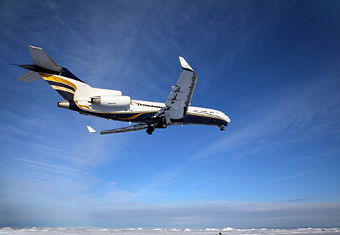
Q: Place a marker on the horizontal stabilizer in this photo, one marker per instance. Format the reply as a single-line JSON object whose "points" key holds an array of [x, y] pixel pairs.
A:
{"points": [[29, 76], [42, 59]]}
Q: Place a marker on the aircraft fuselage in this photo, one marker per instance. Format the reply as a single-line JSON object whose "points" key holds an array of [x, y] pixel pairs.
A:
{"points": [[142, 112]]}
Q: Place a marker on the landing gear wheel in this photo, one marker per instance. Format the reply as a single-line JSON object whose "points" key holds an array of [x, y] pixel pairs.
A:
{"points": [[222, 128], [150, 130]]}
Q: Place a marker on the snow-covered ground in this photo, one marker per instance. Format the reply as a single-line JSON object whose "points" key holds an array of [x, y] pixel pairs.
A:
{"points": [[174, 231]]}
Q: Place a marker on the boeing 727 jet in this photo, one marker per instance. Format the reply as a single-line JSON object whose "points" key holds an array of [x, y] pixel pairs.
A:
{"points": [[113, 105]]}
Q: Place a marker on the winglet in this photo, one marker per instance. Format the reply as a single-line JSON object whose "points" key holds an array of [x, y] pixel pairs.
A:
{"points": [[185, 64], [91, 130]]}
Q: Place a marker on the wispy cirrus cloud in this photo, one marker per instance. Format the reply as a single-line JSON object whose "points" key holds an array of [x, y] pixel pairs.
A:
{"points": [[287, 177], [297, 115]]}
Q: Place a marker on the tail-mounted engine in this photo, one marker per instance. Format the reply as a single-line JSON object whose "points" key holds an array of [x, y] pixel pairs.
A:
{"points": [[117, 102]]}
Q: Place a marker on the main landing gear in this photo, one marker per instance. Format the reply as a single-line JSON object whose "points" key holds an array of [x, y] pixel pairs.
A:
{"points": [[151, 127]]}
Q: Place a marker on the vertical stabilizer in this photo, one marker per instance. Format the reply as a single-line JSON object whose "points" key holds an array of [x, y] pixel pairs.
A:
{"points": [[42, 59], [60, 79]]}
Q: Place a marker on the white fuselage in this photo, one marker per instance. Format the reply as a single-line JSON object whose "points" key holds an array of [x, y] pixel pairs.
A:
{"points": [[142, 106]]}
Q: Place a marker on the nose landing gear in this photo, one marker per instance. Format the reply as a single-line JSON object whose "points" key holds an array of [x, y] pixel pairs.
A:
{"points": [[222, 128]]}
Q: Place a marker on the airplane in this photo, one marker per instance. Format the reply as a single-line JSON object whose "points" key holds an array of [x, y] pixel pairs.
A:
{"points": [[113, 105]]}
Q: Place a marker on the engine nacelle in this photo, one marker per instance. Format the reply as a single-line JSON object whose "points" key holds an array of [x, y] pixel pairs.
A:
{"points": [[119, 102]]}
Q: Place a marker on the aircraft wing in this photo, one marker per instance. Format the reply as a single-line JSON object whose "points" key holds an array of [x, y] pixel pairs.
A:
{"points": [[179, 99], [120, 130]]}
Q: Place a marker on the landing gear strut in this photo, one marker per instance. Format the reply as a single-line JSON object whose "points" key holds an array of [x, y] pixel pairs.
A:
{"points": [[222, 128]]}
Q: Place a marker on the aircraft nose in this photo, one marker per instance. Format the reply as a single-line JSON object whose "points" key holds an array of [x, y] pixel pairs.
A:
{"points": [[226, 118]]}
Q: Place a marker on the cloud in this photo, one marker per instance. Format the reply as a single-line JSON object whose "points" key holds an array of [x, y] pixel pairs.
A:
{"points": [[296, 200], [287, 178], [296, 115], [194, 214]]}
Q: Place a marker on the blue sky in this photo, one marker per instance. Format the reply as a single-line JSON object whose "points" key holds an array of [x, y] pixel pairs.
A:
{"points": [[272, 66]]}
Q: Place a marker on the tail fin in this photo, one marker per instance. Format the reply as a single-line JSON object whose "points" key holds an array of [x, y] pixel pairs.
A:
{"points": [[41, 58], [42, 63], [44, 67]]}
